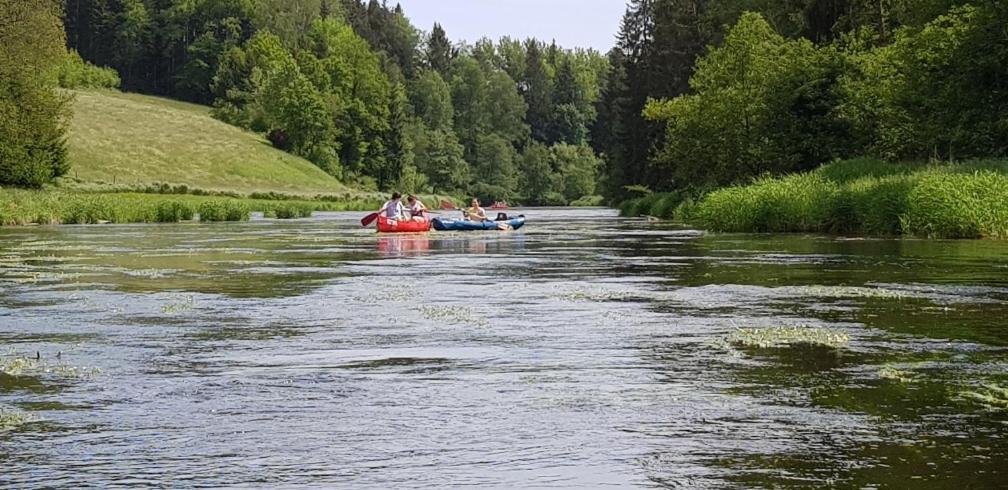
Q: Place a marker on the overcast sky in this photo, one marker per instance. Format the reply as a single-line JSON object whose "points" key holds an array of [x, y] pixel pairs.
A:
{"points": [[573, 23]]}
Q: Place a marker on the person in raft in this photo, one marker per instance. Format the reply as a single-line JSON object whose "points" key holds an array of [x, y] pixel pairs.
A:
{"points": [[393, 208], [417, 209], [475, 212]]}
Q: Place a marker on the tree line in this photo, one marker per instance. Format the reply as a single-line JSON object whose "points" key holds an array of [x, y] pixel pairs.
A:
{"points": [[695, 95], [358, 90], [704, 94]]}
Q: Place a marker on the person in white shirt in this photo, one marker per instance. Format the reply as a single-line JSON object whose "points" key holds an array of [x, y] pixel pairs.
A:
{"points": [[393, 208], [417, 209]]}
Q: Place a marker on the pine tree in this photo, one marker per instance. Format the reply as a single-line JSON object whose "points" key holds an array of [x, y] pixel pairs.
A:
{"points": [[537, 90], [439, 53]]}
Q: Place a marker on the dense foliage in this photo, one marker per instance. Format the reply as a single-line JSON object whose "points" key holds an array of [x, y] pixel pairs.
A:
{"points": [[696, 94], [789, 86], [362, 93], [32, 111]]}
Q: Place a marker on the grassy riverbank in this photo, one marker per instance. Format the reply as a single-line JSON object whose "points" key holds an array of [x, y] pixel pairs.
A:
{"points": [[142, 159], [861, 196], [23, 207]]}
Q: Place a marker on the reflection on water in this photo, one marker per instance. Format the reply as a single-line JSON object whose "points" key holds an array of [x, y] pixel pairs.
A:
{"points": [[581, 350]]}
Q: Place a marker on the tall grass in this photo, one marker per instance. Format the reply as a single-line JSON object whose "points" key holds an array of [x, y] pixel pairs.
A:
{"points": [[863, 196], [23, 207], [801, 202], [224, 210], [949, 205]]}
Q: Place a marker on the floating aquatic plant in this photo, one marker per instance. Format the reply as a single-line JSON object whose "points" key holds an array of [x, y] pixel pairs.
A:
{"points": [[853, 292], [891, 373], [991, 396], [452, 314], [12, 418], [787, 336], [592, 295], [15, 365], [179, 307]]}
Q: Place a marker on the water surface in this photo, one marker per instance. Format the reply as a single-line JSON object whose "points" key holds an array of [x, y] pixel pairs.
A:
{"points": [[583, 350]]}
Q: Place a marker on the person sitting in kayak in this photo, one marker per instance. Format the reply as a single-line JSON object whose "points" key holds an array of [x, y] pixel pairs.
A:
{"points": [[417, 209], [475, 212], [393, 208]]}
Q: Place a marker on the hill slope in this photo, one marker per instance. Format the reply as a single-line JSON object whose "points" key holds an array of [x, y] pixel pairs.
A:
{"points": [[130, 139]]}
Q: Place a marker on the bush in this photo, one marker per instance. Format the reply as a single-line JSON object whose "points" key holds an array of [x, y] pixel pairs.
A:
{"points": [[223, 210], [665, 204], [588, 201], [293, 210], [172, 212], [74, 72], [950, 205]]}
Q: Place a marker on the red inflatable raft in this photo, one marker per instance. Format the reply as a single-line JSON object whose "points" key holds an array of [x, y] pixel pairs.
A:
{"points": [[386, 225]]}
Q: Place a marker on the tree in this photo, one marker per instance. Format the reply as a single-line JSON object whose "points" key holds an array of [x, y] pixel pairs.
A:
{"points": [[438, 155], [938, 91], [537, 179], [578, 167], [431, 100], [32, 112], [293, 111], [537, 90], [398, 148], [493, 163], [359, 93], [761, 103], [439, 53]]}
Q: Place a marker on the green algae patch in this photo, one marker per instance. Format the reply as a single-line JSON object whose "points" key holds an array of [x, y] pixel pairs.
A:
{"points": [[990, 395], [787, 336]]}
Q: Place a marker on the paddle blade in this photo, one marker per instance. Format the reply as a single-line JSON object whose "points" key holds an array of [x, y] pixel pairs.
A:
{"points": [[367, 220], [447, 205]]}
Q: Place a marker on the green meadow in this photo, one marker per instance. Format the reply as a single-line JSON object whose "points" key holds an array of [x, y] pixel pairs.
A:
{"points": [[130, 140]]}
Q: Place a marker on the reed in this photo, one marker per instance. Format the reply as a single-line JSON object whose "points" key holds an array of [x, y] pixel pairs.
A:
{"points": [[968, 200]]}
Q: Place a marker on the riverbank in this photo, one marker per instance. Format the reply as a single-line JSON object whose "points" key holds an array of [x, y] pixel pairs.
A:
{"points": [[64, 206], [860, 196]]}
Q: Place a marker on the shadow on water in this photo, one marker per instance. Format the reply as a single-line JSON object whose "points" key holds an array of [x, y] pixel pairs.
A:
{"points": [[582, 350]]}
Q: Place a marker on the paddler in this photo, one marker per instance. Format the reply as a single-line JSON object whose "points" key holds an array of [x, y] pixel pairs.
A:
{"points": [[417, 209], [393, 208], [475, 212]]}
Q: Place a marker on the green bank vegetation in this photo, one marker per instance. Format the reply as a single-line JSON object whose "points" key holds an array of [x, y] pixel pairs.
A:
{"points": [[864, 196], [23, 207], [777, 97]]}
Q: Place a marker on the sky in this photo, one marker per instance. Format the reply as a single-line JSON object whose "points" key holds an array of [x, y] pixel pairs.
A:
{"points": [[573, 23]]}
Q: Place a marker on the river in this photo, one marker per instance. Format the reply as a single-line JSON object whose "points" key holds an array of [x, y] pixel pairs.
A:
{"points": [[583, 350]]}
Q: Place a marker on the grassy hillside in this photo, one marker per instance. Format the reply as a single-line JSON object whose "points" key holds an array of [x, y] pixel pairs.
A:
{"points": [[130, 139]]}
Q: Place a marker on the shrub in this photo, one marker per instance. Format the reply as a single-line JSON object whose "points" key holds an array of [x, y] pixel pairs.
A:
{"points": [[172, 212], [74, 72], [293, 210], [223, 210], [588, 201], [665, 204]]}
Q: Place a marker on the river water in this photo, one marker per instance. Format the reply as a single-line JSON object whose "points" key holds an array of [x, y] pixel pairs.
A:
{"points": [[584, 350]]}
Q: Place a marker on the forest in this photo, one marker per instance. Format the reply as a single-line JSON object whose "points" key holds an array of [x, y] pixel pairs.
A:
{"points": [[694, 96]]}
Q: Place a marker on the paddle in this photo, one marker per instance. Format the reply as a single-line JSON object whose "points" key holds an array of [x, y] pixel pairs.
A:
{"points": [[367, 220]]}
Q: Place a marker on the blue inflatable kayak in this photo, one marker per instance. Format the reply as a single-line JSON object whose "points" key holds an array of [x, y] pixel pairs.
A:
{"points": [[466, 225]]}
